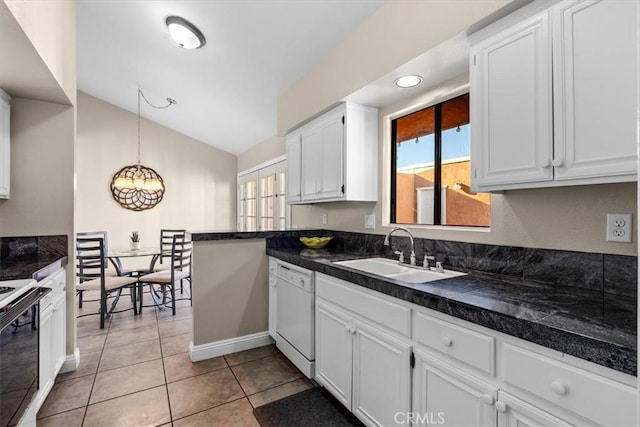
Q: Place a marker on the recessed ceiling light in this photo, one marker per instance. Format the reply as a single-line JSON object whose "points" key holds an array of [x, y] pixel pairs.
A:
{"points": [[184, 33], [408, 81]]}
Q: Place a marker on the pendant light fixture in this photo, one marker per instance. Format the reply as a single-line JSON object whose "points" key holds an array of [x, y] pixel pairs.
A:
{"points": [[137, 187], [184, 33]]}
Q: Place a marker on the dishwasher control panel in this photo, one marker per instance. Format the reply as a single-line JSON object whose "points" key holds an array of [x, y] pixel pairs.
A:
{"points": [[295, 275]]}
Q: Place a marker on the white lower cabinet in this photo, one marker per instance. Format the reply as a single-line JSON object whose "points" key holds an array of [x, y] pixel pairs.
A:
{"points": [[364, 368], [513, 412], [447, 396], [334, 352], [395, 363], [52, 334]]}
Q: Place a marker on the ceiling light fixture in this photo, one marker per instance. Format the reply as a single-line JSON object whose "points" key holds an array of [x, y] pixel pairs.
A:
{"points": [[137, 187], [408, 81], [184, 33]]}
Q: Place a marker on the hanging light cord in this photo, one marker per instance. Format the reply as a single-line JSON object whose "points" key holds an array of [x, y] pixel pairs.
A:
{"points": [[170, 101]]}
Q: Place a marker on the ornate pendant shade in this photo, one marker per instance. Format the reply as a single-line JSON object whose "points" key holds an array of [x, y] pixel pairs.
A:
{"points": [[137, 187]]}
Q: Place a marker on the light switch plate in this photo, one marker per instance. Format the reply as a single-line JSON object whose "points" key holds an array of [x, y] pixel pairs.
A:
{"points": [[325, 218], [370, 222]]}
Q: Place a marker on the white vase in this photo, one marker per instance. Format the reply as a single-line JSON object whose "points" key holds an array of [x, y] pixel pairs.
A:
{"points": [[134, 246]]}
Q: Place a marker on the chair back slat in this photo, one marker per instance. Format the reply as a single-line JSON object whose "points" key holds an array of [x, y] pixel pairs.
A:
{"points": [[181, 249], [166, 241], [91, 258]]}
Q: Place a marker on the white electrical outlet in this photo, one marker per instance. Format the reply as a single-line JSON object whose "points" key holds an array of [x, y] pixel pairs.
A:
{"points": [[619, 228], [325, 218]]}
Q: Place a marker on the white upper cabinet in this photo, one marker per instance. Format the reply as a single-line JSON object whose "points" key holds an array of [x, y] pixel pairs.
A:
{"points": [[595, 89], [553, 96], [293, 168], [337, 158], [511, 105], [5, 146]]}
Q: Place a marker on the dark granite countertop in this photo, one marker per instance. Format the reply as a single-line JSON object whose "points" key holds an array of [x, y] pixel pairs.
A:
{"points": [[30, 267], [584, 323], [32, 257]]}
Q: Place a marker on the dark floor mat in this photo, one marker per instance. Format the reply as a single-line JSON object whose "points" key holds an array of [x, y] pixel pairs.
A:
{"points": [[314, 407]]}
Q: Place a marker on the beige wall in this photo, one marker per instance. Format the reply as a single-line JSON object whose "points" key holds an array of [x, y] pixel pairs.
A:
{"points": [[568, 218], [41, 203], [261, 153], [200, 180], [398, 32], [230, 291], [50, 25]]}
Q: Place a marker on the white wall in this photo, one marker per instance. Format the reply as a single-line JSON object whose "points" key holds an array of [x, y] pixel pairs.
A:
{"points": [[200, 180]]}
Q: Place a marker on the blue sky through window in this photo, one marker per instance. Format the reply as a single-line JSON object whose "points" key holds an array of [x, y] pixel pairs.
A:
{"points": [[454, 145]]}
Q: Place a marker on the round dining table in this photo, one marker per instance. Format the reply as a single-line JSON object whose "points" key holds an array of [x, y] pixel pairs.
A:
{"points": [[115, 256]]}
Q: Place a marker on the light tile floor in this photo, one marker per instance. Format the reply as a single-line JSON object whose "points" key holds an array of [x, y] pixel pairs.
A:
{"points": [[137, 372]]}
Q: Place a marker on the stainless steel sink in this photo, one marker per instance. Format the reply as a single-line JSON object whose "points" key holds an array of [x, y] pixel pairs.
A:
{"points": [[389, 268]]}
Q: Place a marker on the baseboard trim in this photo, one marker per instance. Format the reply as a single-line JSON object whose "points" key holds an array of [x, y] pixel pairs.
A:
{"points": [[71, 362], [228, 346]]}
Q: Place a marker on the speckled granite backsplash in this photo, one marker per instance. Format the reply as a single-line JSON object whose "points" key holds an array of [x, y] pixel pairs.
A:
{"points": [[609, 274], [33, 246]]}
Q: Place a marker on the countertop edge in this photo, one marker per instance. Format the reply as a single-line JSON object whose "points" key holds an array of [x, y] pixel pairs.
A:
{"points": [[610, 355], [51, 268]]}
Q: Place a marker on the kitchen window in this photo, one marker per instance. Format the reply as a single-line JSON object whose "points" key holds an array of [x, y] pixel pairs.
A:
{"points": [[261, 198], [430, 168]]}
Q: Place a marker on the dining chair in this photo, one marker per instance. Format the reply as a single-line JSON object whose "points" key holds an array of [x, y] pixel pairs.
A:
{"points": [[166, 240], [91, 264], [103, 234], [179, 271]]}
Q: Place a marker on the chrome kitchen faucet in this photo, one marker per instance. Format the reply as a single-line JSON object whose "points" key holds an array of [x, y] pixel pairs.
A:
{"points": [[406, 230]]}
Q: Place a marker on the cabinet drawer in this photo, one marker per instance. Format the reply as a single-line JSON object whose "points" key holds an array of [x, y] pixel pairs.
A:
{"points": [[584, 393], [56, 282], [470, 347], [379, 310]]}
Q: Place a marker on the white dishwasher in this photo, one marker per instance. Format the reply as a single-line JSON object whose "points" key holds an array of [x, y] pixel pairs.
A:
{"points": [[295, 318]]}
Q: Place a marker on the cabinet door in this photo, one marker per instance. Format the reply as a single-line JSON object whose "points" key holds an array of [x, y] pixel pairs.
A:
{"points": [[516, 413], [311, 163], [450, 396], [332, 173], [58, 335], [334, 351], [272, 297], [595, 88], [46, 375], [5, 147], [381, 376], [511, 106], [293, 168]]}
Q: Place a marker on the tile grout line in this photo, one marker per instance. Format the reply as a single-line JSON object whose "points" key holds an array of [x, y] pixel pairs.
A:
{"points": [[86, 408], [164, 370], [208, 409]]}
